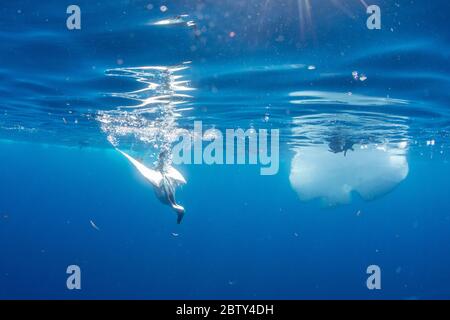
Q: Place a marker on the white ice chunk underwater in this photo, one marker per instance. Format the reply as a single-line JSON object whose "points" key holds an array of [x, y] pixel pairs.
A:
{"points": [[371, 171]]}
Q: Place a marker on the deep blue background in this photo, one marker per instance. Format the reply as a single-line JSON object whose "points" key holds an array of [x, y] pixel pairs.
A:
{"points": [[241, 238]]}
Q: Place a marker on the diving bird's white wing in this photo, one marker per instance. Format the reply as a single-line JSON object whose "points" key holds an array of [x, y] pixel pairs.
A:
{"points": [[175, 175], [155, 177]]}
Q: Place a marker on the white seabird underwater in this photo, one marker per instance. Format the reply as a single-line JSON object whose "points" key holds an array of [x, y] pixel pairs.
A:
{"points": [[164, 180]]}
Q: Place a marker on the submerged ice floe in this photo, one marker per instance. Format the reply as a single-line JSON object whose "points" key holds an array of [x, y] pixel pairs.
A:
{"points": [[369, 171], [362, 154]]}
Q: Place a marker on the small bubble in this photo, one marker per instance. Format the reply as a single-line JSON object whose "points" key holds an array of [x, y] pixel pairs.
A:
{"points": [[232, 34], [311, 67], [403, 144], [163, 8]]}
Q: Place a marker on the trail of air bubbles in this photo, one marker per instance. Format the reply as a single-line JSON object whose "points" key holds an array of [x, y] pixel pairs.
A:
{"points": [[150, 119]]}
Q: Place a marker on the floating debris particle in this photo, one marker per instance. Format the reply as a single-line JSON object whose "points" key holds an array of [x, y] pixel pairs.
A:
{"points": [[182, 19], [357, 76], [94, 225], [5, 217], [431, 143], [175, 234], [280, 38], [358, 213], [311, 67]]}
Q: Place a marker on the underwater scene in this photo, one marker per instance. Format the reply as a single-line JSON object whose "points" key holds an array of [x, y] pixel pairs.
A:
{"points": [[235, 149]]}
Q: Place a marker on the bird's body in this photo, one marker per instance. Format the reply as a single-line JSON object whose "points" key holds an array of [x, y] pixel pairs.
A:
{"points": [[164, 180]]}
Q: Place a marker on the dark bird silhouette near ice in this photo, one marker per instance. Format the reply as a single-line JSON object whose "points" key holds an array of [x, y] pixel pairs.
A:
{"points": [[339, 144]]}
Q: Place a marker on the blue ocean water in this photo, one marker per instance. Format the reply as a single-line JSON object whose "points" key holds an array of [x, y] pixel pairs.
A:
{"points": [[363, 171]]}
